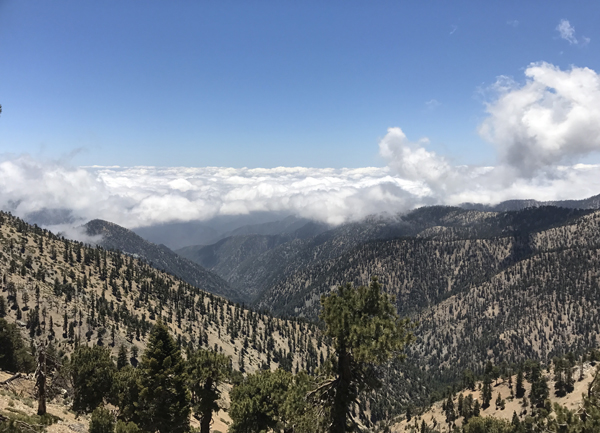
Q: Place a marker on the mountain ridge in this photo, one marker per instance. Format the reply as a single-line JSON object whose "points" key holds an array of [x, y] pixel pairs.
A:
{"points": [[119, 238]]}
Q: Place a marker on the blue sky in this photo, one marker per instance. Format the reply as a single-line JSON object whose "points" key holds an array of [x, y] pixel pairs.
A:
{"points": [[373, 107], [267, 83]]}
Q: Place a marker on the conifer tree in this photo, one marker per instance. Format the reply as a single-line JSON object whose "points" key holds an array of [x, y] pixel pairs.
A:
{"points": [[122, 357], [257, 401], [102, 421], [206, 371], [539, 391], [515, 422], [92, 372], [366, 331], [449, 411], [13, 352], [270, 400], [164, 397], [520, 389], [486, 392], [476, 408], [127, 388], [3, 307]]}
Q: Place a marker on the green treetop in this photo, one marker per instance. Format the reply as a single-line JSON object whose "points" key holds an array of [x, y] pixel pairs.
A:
{"points": [[206, 371], [366, 331], [272, 400], [92, 372], [164, 397]]}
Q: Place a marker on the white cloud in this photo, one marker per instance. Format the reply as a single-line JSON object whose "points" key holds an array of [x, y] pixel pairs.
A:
{"points": [[513, 23], [432, 104], [435, 180], [553, 118], [567, 32], [140, 196], [411, 161]]}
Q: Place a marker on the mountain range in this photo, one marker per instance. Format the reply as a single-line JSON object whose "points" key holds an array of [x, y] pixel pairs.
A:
{"points": [[484, 285]]}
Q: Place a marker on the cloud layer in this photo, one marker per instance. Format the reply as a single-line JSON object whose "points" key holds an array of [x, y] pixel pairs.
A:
{"points": [[541, 129]]}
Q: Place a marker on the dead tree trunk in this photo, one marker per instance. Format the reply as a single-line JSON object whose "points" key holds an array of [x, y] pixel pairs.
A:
{"points": [[40, 381]]}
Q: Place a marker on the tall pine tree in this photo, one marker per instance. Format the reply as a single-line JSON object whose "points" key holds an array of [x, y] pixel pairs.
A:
{"points": [[164, 397], [366, 331], [206, 371]]}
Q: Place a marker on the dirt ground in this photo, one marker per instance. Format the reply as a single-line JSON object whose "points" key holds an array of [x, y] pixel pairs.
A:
{"points": [[18, 396]]}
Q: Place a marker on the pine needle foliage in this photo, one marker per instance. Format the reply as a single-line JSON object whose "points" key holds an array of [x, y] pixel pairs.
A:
{"points": [[366, 331], [92, 372], [164, 397], [207, 370]]}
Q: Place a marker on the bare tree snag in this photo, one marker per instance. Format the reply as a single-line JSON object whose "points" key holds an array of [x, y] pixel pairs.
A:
{"points": [[40, 381]]}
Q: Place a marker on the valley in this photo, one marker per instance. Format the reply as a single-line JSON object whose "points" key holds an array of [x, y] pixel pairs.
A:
{"points": [[484, 286]]}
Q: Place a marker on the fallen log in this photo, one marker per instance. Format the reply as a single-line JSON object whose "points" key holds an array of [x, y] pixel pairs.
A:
{"points": [[10, 379]]}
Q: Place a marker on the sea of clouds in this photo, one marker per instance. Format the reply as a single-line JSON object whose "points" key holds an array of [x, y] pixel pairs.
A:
{"points": [[542, 128]]}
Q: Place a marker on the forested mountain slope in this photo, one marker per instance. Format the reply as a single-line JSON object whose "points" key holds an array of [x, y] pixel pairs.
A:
{"points": [[256, 265], [116, 237], [527, 293], [254, 262], [511, 205], [68, 293], [464, 248]]}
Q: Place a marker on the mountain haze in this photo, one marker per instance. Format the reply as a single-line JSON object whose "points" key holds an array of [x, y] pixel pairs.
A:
{"points": [[119, 238]]}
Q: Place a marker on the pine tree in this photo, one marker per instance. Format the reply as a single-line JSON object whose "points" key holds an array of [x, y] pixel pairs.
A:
{"points": [[486, 392], [129, 427], [122, 357], [3, 308], [449, 411], [366, 331], [164, 397], [476, 408], [539, 391], [14, 355], [520, 389], [500, 402], [92, 372], [269, 400], [516, 422], [206, 371], [102, 421], [127, 387]]}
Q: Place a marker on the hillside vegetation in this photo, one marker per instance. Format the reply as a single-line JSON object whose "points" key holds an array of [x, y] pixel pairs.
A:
{"points": [[68, 293]]}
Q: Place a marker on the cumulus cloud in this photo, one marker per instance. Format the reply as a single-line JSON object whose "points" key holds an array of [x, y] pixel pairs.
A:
{"points": [[412, 161], [541, 128], [554, 117], [435, 180]]}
